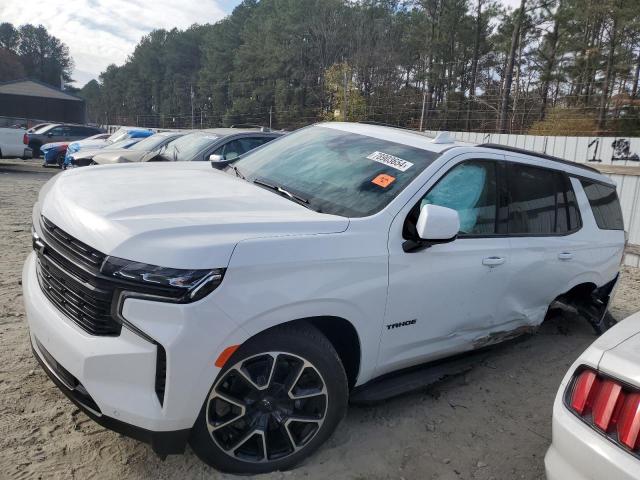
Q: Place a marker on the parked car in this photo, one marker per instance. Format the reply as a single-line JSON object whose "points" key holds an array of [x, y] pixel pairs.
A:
{"points": [[11, 144], [596, 414], [143, 151], [119, 135], [57, 132], [85, 157], [218, 145], [54, 153], [238, 309]]}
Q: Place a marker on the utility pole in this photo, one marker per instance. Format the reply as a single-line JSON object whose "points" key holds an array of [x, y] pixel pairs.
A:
{"points": [[192, 118], [344, 99], [424, 102], [270, 112]]}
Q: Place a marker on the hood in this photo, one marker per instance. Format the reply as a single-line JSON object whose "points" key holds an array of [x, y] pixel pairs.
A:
{"points": [[622, 360], [180, 215], [122, 156], [82, 144], [91, 152], [48, 146]]}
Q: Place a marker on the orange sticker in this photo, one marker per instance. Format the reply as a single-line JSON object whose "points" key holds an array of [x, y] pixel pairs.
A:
{"points": [[383, 180]]}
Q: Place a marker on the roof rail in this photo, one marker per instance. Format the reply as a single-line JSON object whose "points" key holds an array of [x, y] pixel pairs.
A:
{"points": [[382, 124], [507, 148], [251, 125]]}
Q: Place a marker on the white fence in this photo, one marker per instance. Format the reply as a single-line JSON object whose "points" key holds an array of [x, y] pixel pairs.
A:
{"points": [[609, 154]]}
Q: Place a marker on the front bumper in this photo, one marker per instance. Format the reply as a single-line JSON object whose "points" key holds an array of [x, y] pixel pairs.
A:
{"points": [[118, 373], [162, 443], [579, 453]]}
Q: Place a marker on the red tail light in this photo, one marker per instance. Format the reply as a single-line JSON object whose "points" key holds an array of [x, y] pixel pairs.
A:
{"points": [[25, 139], [583, 391], [611, 407], [629, 424]]}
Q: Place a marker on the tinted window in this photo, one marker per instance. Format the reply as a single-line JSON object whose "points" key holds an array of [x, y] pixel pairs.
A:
{"points": [[237, 147], [568, 216], [78, 131], [57, 131], [604, 205], [470, 189], [542, 202]]}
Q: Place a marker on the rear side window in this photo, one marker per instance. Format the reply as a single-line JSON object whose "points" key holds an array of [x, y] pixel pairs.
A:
{"points": [[568, 215], [542, 202], [604, 205]]}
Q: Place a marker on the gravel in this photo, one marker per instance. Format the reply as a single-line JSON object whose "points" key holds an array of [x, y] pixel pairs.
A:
{"points": [[492, 422]]}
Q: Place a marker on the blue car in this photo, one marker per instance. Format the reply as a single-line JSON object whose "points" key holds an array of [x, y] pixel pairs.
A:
{"points": [[121, 134], [54, 153]]}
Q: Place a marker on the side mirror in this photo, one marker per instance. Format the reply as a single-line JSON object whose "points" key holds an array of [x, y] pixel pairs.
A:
{"points": [[49, 134], [435, 224], [214, 157]]}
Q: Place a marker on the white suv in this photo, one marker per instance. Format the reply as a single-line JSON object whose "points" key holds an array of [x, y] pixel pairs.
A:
{"points": [[238, 310]]}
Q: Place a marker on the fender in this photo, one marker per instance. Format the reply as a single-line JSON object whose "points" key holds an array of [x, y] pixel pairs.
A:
{"points": [[323, 308]]}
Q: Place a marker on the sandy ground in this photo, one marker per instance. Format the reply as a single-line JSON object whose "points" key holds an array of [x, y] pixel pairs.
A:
{"points": [[492, 423]]}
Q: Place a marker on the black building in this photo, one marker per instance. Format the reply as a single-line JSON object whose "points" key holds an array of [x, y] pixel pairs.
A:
{"points": [[33, 100]]}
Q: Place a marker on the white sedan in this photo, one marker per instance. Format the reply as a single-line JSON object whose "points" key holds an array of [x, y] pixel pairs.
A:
{"points": [[596, 414]]}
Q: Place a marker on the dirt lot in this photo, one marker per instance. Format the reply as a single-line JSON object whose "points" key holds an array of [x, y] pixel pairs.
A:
{"points": [[492, 423]]}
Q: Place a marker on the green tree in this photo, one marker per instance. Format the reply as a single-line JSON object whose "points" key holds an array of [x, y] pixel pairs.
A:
{"points": [[44, 56]]}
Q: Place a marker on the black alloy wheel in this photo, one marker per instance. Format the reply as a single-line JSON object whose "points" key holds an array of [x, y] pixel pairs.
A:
{"points": [[278, 398]]}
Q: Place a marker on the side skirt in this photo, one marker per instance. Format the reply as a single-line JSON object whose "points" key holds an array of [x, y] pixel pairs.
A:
{"points": [[421, 376]]}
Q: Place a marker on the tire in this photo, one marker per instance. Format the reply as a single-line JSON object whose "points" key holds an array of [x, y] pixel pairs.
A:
{"points": [[271, 378], [35, 148], [60, 160]]}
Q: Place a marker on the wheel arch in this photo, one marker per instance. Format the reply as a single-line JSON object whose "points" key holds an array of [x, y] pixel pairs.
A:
{"points": [[342, 335], [588, 300]]}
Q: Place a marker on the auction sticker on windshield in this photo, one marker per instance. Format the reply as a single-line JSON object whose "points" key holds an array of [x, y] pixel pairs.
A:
{"points": [[383, 180], [390, 161]]}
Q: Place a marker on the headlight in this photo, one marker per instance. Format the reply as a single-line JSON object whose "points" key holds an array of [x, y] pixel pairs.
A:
{"points": [[188, 285]]}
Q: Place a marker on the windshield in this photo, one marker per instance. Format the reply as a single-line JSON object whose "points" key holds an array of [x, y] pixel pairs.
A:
{"points": [[150, 143], [337, 172], [118, 135], [188, 146]]}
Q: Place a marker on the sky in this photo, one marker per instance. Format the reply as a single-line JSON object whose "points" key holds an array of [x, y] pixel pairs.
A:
{"points": [[101, 32]]}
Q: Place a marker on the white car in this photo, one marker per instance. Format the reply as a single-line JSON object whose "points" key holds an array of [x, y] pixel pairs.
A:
{"points": [[239, 309], [596, 414], [11, 143]]}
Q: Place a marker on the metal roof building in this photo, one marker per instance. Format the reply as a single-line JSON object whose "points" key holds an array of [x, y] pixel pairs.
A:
{"points": [[31, 99]]}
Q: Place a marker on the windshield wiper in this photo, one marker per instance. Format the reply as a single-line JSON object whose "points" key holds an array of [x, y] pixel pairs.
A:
{"points": [[277, 188], [237, 172]]}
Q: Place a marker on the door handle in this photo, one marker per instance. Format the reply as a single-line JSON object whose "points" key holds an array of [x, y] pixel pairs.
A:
{"points": [[492, 261], [565, 256]]}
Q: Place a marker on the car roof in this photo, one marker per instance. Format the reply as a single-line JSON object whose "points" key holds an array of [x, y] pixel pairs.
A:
{"points": [[411, 138], [171, 133], [430, 143], [223, 132]]}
